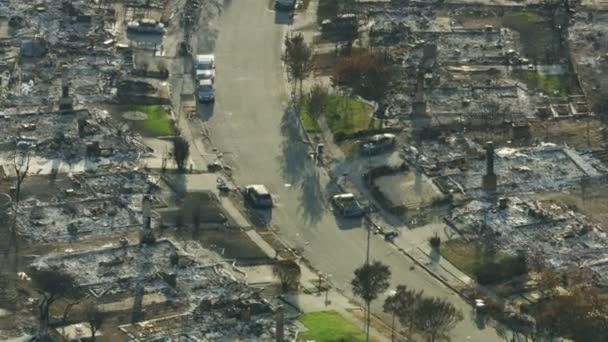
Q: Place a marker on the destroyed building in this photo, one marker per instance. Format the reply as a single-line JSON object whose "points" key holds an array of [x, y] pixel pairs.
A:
{"points": [[216, 302], [563, 238], [547, 167]]}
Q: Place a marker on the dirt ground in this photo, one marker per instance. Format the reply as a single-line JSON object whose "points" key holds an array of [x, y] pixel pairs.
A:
{"points": [[570, 132], [408, 189], [589, 200]]}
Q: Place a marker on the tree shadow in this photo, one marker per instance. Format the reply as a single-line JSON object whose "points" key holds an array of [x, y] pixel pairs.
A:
{"points": [[295, 152], [283, 17], [311, 197]]}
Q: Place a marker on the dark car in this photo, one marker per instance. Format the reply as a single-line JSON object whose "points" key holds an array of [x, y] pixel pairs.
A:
{"points": [[258, 196], [378, 143]]}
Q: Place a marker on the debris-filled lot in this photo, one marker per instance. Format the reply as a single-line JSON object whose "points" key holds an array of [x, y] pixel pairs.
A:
{"points": [[87, 96]]}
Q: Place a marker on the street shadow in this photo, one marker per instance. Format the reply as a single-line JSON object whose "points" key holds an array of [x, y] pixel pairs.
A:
{"points": [[295, 152], [435, 255], [205, 110], [206, 42], [283, 17], [311, 197], [263, 217], [346, 223]]}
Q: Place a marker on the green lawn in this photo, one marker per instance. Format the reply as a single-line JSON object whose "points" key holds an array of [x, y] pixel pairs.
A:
{"points": [[552, 85], [461, 254], [486, 268], [539, 41], [348, 115], [329, 326], [157, 123], [309, 123]]}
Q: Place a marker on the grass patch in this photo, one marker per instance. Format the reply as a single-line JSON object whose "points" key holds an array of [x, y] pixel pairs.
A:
{"points": [[553, 85], [309, 123], [329, 326], [347, 115], [157, 122], [539, 41], [486, 268], [461, 254]]}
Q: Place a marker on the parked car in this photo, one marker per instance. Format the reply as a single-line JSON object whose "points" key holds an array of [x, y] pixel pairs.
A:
{"points": [[146, 26], [287, 5], [342, 24], [204, 67], [346, 205], [390, 236], [258, 196], [378, 143], [205, 91]]}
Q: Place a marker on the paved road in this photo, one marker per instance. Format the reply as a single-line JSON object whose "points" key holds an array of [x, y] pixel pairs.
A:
{"points": [[262, 141]]}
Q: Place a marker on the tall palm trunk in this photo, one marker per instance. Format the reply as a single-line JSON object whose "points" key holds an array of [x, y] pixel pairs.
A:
{"points": [[367, 322]]}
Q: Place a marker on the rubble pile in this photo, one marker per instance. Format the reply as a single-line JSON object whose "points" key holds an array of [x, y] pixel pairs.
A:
{"points": [[564, 238], [542, 168], [221, 305]]}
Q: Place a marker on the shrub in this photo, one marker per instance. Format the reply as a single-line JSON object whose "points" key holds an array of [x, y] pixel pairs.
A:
{"points": [[495, 271], [435, 241]]}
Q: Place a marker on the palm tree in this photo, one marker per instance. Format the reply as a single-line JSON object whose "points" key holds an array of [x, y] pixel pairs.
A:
{"points": [[369, 282], [402, 304]]}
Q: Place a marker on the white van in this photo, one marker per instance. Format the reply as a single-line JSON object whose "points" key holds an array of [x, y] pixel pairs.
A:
{"points": [[204, 67]]}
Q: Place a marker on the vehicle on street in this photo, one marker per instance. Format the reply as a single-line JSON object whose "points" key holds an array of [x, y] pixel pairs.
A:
{"points": [[204, 67], [258, 196], [286, 5], [378, 143], [390, 236], [205, 92], [346, 205], [146, 26]]}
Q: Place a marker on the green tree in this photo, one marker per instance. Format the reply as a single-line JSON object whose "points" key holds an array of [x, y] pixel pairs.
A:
{"points": [[369, 282], [435, 317], [403, 305]]}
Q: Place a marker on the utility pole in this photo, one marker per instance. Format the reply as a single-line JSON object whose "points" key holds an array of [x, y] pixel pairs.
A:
{"points": [[368, 225]]}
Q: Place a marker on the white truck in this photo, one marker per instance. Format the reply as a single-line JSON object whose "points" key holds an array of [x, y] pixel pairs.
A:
{"points": [[346, 205]]}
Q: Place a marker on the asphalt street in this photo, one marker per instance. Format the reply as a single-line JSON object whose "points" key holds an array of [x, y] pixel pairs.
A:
{"points": [[262, 141]]}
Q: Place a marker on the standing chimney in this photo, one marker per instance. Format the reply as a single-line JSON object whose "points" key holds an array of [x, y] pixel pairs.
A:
{"points": [[280, 324], [489, 179], [489, 158], [146, 205]]}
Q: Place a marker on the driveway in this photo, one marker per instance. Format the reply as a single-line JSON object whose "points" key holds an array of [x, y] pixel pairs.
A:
{"points": [[262, 141]]}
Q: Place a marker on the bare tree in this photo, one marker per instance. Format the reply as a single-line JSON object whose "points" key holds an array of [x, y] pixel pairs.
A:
{"points": [[369, 282], [288, 272], [21, 163], [548, 280], [368, 74], [181, 152], [297, 58], [435, 317], [52, 285], [402, 304], [95, 318], [316, 98], [165, 158]]}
